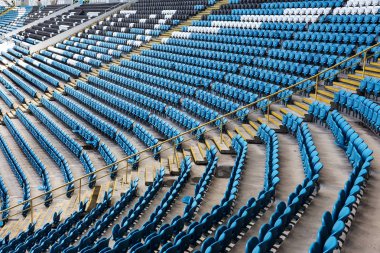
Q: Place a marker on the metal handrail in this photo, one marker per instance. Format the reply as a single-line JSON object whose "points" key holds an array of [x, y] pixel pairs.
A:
{"points": [[315, 77]]}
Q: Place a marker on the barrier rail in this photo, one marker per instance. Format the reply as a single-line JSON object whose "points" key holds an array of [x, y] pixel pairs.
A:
{"points": [[363, 55]]}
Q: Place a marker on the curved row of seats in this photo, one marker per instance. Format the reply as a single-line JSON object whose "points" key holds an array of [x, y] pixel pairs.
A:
{"points": [[285, 215], [145, 232], [124, 92], [18, 173], [167, 130], [128, 149], [195, 230], [133, 215], [370, 86], [109, 158], [108, 112], [367, 110], [115, 101], [114, 75], [148, 139], [343, 28], [91, 138], [63, 241], [334, 37], [58, 158], [37, 83], [225, 234], [4, 196], [66, 140], [33, 159], [25, 87], [202, 111], [104, 127], [282, 219], [336, 224]]}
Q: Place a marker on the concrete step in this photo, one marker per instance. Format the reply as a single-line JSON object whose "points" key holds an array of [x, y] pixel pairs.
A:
{"points": [[326, 93], [302, 105], [350, 80], [345, 86], [368, 73], [358, 77], [321, 99], [332, 89], [297, 109], [197, 156], [244, 134]]}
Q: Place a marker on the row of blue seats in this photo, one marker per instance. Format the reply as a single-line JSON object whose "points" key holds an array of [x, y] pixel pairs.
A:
{"points": [[62, 242], [208, 54], [220, 47], [15, 53], [148, 139], [297, 68], [114, 76], [240, 95], [225, 234], [8, 101], [269, 76], [4, 196], [205, 63], [119, 230], [299, 57], [370, 86], [271, 178], [57, 157], [104, 127], [44, 243], [66, 140], [70, 143], [86, 242], [138, 98], [29, 90], [167, 231], [180, 67], [128, 149], [25, 239], [186, 121], [32, 158], [282, 219], [202, 111], [166, 129], [37, 83], [319, 111], [22, 50], [309, 154], [146, 231], [108, 112], [192, 79], [367, 110], [91, 138], [337, 223], [109, 158], [195, 230], [221, 104], [320, 47], [112, 100], [346, 38], [18, 173], [345, 28]]}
